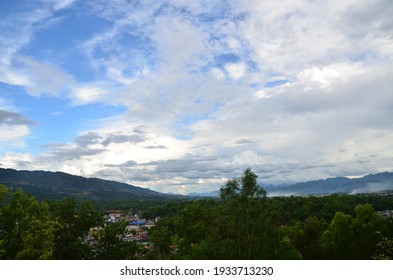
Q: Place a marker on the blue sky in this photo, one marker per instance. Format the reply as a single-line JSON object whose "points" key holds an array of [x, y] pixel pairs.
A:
{"points": [[178, 96]]}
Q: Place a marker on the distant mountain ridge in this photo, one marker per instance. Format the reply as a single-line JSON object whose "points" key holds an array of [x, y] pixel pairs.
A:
{"points": [[58, 185], [368, 184]]}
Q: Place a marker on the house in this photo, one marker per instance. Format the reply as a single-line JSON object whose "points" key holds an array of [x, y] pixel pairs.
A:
{"points": [[140, 222], [385, 213]]}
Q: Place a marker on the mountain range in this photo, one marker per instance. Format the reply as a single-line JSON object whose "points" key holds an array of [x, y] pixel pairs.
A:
{"points": [[58, 185], [372, 183]]}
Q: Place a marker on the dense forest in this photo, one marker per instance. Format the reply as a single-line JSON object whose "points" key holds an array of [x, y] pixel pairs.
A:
{"points": [[243, 224]]}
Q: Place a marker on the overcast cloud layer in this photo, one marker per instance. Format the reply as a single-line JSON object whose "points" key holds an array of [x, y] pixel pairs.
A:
{"points": [[178, 96]]}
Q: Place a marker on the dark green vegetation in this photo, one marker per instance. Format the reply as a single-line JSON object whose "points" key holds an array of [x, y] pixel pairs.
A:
{"points": [[42, 230], [243, 224]]}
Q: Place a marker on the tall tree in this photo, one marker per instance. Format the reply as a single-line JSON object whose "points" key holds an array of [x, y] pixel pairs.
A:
{"points": [[76, 220], [337, 239], [369, 229], [354, 238], [110, 244], [162, 240], [253, 220], [306, 237]]}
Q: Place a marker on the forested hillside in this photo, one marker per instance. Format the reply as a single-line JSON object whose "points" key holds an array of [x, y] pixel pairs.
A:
{"points": [[59, 185]]}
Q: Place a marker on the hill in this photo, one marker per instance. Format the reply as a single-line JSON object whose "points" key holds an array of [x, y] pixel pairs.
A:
{"points": [[58, 185]]}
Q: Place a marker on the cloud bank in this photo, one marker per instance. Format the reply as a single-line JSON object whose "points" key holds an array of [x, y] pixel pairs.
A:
{"points": [[179, 96]]}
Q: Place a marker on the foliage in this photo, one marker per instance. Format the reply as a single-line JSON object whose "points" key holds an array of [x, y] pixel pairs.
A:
{"points": [[76, 220], [43, 230], [384, 249], [26, 228], [110, 244], [306, 237], [162, 240], [356, 237]]}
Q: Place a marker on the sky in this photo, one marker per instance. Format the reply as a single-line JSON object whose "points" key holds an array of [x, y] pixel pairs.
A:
{"points": [[180, 96]]}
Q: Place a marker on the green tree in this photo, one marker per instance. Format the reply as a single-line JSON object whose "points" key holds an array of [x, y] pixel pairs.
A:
{"points": [[162, 240], [76, 219], [196, 225], [245, 187], [3, 193], [110, 244], [2, 251], [27, 230], [368, 229], [384, 250], [38, 240], [306, 237], [355, 238], [43, 230], [252, 222], [337, 239]]}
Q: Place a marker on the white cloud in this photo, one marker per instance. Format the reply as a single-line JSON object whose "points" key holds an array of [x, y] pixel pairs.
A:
{"points": [[85, 94], [12, 136], [43, 78], [17, 161], [217, 73], [179, 42], [117, 74], [236, 70], [62, 4], [12, 76], [322, 76], [14, 128], [36, 77]]}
